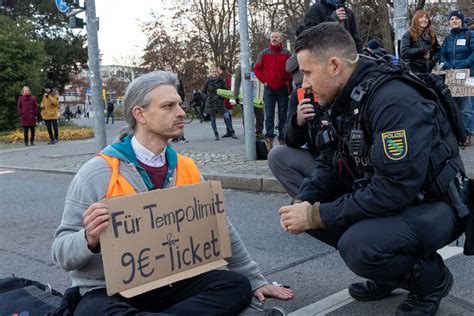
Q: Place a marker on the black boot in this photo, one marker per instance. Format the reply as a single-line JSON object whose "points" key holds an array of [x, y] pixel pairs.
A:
{"points": [[233, 135], [370, 291], [427, 304], [227, 134], [216, 136]]}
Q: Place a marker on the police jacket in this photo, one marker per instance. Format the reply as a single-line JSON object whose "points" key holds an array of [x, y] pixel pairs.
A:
{"points": [[455, 52], [413, 51], [325, 11], [401, 125]]}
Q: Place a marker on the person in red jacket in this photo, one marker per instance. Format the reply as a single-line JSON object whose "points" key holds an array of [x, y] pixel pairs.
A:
{"points": [[270, 69], [28, 109]]}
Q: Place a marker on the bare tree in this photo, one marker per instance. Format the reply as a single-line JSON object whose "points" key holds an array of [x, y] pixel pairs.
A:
{"points": [[186, 55], [216, 25], [277, 15]]}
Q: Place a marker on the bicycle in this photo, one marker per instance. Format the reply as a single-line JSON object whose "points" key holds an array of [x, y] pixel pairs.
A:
{"points": [[191, 114]]}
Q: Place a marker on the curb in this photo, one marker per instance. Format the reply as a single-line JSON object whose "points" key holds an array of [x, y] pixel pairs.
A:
{"points": [[247, 182], [243, 182], [61, 171]]}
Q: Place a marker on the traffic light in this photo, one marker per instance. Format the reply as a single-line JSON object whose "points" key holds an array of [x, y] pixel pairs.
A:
{"points": [[75, 4], [75, 22]]}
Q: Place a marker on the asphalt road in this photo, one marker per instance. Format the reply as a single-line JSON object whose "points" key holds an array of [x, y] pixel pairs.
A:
{"points": [[31, 207]]}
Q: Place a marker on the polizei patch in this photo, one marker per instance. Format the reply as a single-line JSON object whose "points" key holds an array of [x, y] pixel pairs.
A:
{"points": [[395, 144]]}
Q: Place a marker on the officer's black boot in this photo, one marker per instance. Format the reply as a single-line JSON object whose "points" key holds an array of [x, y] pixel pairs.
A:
{"points": [[370, 291], [427, 304]]}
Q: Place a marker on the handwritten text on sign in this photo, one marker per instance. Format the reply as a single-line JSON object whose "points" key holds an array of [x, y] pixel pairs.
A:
{"points": [[459, 82], [159, 235]]}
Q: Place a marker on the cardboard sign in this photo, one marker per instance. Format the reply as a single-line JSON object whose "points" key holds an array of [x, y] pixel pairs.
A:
{"points": [[163, 236], [459, 82]]}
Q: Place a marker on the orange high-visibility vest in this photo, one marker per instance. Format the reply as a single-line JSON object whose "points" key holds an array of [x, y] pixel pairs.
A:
{"points": [[186, 173]]}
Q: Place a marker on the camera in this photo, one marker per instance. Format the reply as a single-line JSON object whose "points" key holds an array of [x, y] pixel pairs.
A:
{"points": [[325, 136], [340, 4]]}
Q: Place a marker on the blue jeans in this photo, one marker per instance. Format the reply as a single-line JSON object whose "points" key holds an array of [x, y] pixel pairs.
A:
{"points": [[270, 98], [466, 107], [112, 115], [228, 121], [213, 123]]}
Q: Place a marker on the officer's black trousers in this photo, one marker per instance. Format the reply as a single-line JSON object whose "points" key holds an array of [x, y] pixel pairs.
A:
{"points": [[386, 249]]}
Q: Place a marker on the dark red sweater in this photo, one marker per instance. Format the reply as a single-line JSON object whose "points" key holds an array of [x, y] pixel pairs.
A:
{"points": [[157, 174]]}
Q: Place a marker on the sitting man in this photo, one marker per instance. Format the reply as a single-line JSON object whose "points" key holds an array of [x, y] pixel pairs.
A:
{"points": [[386, 208], [152, 109]]}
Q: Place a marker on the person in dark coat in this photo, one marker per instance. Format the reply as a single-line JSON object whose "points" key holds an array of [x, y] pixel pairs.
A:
{"points": [[110, 111], [28, 109], [457, 54], [419, 47], [197, 102], [214, 103], [327, 11]]}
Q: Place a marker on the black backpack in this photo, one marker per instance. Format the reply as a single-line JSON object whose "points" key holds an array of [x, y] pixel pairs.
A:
{"points": [[429, 85], [20, 296], [23, 296]]}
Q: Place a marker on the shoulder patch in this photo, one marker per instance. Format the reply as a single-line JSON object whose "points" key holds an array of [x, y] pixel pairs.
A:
{"points": [[395, 144]]}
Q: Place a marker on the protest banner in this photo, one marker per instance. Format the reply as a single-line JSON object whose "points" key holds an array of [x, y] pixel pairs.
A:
{"points": [[459, 82], [163, 236]]}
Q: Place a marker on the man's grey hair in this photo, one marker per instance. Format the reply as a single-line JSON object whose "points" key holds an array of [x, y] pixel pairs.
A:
{"points": [[138, 94]]}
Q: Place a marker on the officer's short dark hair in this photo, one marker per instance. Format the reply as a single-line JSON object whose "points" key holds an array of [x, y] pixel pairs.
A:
{"points": [[327, 38]]}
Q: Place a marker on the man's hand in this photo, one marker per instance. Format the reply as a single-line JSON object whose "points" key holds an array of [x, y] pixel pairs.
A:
{"points": [[341, 14], [294, 218], [304, 112], [96, 218], [270, 290]]}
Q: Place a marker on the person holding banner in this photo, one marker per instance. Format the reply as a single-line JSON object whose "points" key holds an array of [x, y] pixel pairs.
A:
{"points": [[141, 161], [457, 52]]}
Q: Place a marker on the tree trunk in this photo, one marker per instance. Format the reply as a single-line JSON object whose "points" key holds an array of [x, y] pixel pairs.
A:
{"points": [[386, 29]]}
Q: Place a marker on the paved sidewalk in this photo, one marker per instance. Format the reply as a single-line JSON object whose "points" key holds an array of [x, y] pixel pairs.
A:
{"points": [[222, 160]]}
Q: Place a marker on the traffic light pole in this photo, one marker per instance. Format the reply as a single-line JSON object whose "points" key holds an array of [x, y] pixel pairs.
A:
{"points": [[94, 75], [400, 19], [249, 117]]}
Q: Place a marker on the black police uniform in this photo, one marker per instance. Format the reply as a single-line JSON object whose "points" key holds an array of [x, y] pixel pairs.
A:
{"points": [[376, 210]]}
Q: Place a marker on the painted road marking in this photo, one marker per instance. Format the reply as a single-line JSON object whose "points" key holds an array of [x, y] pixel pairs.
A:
{"points": [[342, 298], [5, 171]]}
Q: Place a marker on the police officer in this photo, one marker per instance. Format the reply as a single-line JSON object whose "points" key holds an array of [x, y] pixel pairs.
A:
{"points": [[378, 210]]}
